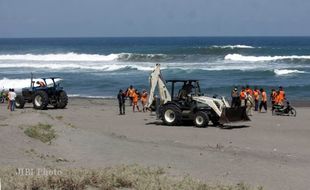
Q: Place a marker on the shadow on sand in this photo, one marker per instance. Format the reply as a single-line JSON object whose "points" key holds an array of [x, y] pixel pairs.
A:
{"points": [[190, 124]]}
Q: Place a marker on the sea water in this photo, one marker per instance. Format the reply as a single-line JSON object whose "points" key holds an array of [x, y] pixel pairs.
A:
{"points": [[99, 67]]}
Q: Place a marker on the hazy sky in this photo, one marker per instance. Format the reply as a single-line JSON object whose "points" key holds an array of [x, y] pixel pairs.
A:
{"points": [[74, 18]]}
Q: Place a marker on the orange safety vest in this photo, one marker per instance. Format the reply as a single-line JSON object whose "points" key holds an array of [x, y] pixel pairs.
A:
{"points": [[135, 97], [273, 96], [282, 95], [256, 94], [250, 91], [242, 95], [144, 97], [131, 92], [264, 97]]}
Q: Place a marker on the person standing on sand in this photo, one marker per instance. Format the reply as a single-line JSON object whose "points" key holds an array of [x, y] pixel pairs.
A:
{"points": [[235, 97], [243, 97], [249, 104], [121, 102], [130, 94], [8, 98], [12, 96], [144, 100], [135, 100], [263, 102], [256, 93], [273, 96]]}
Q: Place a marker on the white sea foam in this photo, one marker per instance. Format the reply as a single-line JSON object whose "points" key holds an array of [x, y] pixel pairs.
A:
{"points": [[234, 47], [18, 84], [287, 71], [60, 57], [238, 57]]}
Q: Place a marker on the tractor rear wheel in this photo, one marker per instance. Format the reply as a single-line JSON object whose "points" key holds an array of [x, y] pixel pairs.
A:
{"points": [[62, 100], [171, 115], [19, 102], [201, 119], [40, 100]]}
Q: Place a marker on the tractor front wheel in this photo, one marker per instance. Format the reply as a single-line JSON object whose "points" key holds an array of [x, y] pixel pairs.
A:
{"points": [[201, 119], [62, 100], [40, 100]]}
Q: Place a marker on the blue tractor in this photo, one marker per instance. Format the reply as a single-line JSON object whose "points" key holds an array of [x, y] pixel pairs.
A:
{"points": [[41, 94]]}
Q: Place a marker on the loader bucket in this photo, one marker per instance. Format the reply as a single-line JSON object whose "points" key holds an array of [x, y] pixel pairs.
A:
{"points": [[234, 115]]}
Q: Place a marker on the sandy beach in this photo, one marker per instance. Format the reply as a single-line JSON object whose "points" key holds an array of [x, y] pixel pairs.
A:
{"points": [[271, 151]]}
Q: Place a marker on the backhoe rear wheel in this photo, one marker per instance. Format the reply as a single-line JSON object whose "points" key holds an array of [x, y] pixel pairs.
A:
{"points": [[40, 100], [171, 115], [201, 119], [20, 102]]}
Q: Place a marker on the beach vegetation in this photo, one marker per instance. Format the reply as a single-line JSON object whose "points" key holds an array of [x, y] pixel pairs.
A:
{"points": [[118, 177], [42, 132]]}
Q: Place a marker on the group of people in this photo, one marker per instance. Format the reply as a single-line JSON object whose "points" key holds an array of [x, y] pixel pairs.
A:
{"points": [[134, 96], [256, 98], [10, 97]]}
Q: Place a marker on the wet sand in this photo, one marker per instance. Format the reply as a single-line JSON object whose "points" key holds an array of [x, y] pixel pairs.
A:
{"points": [[272, 151]]}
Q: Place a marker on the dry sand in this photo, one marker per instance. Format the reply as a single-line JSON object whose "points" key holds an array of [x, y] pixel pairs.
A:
{"points": [[272, 151]]}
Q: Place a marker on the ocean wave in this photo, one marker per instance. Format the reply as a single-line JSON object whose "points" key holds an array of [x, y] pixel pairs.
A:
{"points": [[238, 57], [75, 57], [287, 71], [60, 57], [18, 84], [233, 47], [79, 66]]}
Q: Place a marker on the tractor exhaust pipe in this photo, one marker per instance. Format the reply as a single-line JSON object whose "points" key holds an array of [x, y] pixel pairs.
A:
{"points": [[234, 115]]}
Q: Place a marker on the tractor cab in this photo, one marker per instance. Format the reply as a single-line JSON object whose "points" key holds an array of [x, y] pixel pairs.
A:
{"points": [[182, 88]]}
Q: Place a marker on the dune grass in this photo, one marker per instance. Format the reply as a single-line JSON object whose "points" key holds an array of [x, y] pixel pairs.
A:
{"points": [[121, 177], [42, 132]]}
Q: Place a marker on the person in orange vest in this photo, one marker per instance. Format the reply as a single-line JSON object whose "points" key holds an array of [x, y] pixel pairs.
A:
{"points": [[263, 102], [273, 96], [243, 97], [130, 93], [281, 95], [144, 100], [256, 94], [135, 99], [249, 90]]}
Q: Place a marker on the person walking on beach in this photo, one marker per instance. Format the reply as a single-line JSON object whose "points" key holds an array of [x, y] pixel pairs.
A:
{"points": [[130, 94], [263, 102], [235, 97], [256, 93], [144, 100], [135, 100], [121, 102], [12, 96]]}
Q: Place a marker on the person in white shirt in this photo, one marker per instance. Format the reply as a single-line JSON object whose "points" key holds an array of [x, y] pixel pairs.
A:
{"points": [[12, 96]]}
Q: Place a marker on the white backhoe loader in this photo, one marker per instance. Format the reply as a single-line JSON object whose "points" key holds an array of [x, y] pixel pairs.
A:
{"points": [[190, 104]]}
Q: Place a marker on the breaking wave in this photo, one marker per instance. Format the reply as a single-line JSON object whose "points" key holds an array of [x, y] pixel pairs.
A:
{"points": [[238, 57], [75, 57], [18, 84], [234, 47], [287, 71]]}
